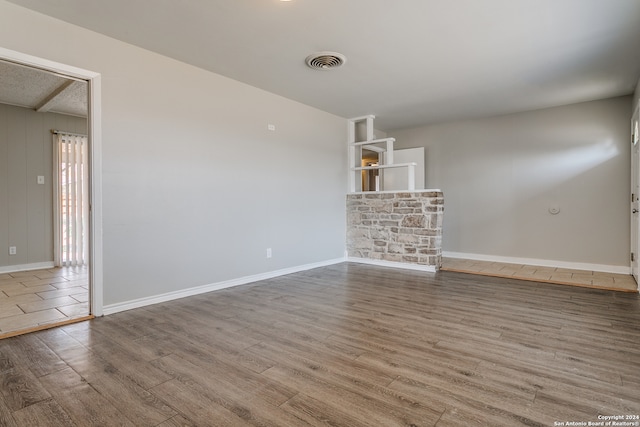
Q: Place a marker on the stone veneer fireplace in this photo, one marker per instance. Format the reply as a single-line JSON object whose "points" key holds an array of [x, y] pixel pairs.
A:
{"points": [[396, 227]]}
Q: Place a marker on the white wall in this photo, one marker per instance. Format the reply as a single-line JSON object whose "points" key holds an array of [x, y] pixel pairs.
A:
{"points": [[501, 174], [195, 188], [26, 152], [636, 97]]}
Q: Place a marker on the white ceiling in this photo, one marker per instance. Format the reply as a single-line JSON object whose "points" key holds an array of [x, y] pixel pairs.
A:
{"points": [[409, 62]]}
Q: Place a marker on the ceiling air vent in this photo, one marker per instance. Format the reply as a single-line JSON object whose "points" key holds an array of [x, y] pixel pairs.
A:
{"points": [[325, 60]]}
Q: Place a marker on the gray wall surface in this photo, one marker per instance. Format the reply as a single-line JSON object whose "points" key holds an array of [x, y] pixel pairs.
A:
{"points": [[195, 188], [500, 175], [636, 97], [26, 208]]}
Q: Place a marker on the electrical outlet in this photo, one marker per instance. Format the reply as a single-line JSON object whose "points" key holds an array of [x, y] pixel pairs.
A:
{"points": [[13, 250], [271, 127], [269, 253], [40, 179]]}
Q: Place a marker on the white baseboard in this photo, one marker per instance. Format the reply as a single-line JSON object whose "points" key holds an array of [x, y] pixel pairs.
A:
{"points": [[617, 269], [381, 263], [26, 267], [155, 299]]}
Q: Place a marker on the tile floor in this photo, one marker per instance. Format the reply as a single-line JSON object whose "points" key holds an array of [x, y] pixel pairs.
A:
{"points": [[32, 298], [564, 276]]}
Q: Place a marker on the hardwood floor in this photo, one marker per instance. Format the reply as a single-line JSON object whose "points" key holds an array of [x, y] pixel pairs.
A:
{"points": [[345, 345]]}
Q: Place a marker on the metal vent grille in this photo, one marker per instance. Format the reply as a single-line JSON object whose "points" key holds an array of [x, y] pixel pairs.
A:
{"points": [[325, 60]]}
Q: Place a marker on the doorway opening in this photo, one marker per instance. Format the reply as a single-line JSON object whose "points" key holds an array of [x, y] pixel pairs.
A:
{"points": [[53, 273]]}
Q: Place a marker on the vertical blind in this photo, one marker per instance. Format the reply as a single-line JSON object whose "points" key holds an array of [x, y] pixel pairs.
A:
{"points": [[72, 199]]}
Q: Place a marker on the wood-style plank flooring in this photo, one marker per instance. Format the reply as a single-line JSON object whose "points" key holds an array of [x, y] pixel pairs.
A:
{"points": [[345, 345]]}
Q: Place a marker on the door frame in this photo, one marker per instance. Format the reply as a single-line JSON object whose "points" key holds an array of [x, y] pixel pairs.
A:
{"points": [[95, 161], [635, 194]]}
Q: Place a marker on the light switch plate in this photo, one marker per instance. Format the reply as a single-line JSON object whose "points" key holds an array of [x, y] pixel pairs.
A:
{"points": [[40, 179]]}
